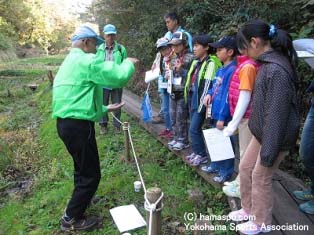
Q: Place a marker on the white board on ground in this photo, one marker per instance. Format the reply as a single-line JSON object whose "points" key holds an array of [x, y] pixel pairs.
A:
{"points": [[127, 218]]}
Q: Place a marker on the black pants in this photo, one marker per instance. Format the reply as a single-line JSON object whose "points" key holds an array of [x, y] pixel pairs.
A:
{"points": [[79, 139]]}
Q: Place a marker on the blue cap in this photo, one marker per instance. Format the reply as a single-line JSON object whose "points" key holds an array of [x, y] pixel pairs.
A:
{"points": [[110, 29], [86, 32], [226, 41]]}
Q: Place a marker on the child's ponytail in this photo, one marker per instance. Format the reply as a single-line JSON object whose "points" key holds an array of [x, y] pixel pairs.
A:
{"points": [[281, 41]]}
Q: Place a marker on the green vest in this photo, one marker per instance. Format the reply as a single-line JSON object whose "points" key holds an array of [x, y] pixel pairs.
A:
{"points": [[78, 86], [204, 73]]}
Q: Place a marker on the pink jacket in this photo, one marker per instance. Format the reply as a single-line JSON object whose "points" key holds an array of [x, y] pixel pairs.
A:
{"points": [[234, 91]]}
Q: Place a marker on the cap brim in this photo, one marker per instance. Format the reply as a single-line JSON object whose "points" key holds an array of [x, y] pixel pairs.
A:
{"points": [[110, 32], [176, 42], [164, 46], [305, 54], [99, 40], [216, 45]]}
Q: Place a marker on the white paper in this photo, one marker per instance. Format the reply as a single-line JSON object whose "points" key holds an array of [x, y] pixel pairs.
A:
{"points": [[127, 218], [177, 81], [163, 85], [151, 75], [219, 146]]}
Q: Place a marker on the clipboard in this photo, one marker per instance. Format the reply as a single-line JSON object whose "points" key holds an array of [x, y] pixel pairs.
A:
{"points": [[219, 146]]}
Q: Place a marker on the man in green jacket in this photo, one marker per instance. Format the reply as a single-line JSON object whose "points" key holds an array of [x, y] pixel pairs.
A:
{"points": [[116, 52], [77, 103]]}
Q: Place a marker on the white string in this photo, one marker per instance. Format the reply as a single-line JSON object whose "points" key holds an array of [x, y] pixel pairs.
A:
{"points": [[148, 85], [116, 118], [151, 207], [135, 158], [133, 150]]}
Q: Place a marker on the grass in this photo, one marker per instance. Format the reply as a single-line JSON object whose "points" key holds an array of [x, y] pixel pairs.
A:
{"points": [[31, 149]]}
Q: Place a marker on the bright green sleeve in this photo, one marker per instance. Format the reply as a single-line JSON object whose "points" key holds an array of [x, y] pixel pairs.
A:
{"points": [[110, 74], [104, 109]]}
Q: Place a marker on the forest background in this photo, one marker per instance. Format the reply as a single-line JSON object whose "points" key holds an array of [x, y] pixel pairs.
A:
{"points": [[30, 152], [31, 27]]}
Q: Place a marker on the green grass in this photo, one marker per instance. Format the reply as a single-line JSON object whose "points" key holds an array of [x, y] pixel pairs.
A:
{"points": [[30, 143]]}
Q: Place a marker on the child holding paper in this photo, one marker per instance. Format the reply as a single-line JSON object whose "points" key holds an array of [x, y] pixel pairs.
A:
{"points": [[217, 97]]}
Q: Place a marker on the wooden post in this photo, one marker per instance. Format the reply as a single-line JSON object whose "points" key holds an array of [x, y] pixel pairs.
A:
{"points": [[126, 141], [153, 195], [50, 77]]}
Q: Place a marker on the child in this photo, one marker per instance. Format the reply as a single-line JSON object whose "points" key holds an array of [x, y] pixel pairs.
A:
{"points": [[240, 91], [217, 96], [200, 75], [165, 65], [178, 108], [274, 121]]}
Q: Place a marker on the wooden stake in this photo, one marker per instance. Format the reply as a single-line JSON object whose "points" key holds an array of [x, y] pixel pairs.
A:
{"points": [[153, 195], [126, 141], [50, 77]]}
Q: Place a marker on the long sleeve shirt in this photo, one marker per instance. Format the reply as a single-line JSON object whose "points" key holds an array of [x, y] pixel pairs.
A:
{"points": [[219, 92], [78, 85]]}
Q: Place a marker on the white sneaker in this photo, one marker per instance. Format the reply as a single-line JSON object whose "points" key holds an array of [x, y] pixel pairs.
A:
{"points": [[239, 215], [232, 191], [171, 143], [179, 146], [232, 183]]}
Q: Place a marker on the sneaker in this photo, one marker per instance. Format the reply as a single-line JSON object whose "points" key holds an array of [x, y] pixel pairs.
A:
{"points": [[190, 157], [179, 146], [86, 223], [209, 169], [198, 160], [158, 120], [169, 135], [307, 207], [250, 228], [103, 130], [171, 143], [304, 195], [239, 215], [163, 132], [232, 183], [232, 191], [221, 178]]}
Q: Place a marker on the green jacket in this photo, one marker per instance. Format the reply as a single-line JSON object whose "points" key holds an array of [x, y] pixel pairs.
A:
{"points": [[207, 71], [119, 52], [78, 85]]}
